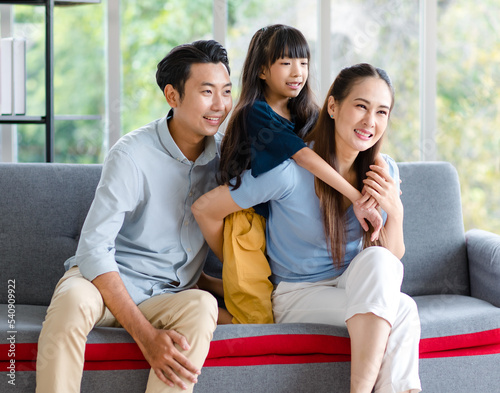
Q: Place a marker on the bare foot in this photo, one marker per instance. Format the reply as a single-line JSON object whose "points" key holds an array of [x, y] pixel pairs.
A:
{"points": [[224, 318]]}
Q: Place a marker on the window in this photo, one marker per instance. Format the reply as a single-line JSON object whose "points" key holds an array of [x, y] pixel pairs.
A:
{"points": [[385, 33], [149, 30], [468, 84], [79, 80], [246, 17]]}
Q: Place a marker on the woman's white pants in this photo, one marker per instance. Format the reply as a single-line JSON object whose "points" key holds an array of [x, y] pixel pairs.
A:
{"points": [[371, 284]]}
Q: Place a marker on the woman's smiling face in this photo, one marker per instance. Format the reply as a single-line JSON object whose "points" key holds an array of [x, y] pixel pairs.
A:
{"points": [[362, 117]]}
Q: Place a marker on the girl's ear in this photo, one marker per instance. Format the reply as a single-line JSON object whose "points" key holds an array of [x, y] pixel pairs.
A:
{"points": [[172, 96], [332, 107], [262, 74]]}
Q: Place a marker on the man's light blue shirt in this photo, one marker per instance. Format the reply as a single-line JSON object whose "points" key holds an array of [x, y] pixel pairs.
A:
{"points": [[140, 222], [295, 238]]}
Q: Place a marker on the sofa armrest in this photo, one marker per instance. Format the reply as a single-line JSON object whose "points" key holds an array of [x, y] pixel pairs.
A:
{"points": [[483, 252]]}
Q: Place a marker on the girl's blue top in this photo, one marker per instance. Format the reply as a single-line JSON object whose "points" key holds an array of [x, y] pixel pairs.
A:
{"points": [[273, 140]]}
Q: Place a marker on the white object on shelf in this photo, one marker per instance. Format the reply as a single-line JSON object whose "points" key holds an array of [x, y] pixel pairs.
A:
{"points": [[6, 48], [19, 75]]}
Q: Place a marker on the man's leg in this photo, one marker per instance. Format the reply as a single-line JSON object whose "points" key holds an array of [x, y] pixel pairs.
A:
{"points": [[192, 313], [75, 308]]}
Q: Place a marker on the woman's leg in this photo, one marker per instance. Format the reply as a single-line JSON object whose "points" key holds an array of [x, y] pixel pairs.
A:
{"points": [[324, 302], [372, 283], [368, 293], [310, 302], [399, 371], [367, 286], [369, 335], [383, 324]]}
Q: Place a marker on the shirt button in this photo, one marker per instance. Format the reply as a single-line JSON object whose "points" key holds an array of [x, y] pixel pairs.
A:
{"points": [[188, 250], [190, 194], [186, 223]]}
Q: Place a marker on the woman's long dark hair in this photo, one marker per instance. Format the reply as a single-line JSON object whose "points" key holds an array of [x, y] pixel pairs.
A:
{"points": [[331, 201], [267, 45]]}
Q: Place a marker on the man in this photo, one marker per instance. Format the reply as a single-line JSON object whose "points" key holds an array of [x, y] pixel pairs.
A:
{"points": [[140, 250]]}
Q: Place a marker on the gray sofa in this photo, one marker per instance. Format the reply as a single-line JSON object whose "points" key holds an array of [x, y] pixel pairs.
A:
{"points": [[454, 278]]}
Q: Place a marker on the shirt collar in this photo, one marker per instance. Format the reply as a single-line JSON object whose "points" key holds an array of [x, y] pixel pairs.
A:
{"points": [[173, 150]]}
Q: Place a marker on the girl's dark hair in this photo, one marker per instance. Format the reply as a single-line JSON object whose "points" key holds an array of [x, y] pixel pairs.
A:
{"points": [[267, 45], [321, 136], [174, 69]]}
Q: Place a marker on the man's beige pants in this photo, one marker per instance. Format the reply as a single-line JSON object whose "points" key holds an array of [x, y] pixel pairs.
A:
{"points": [[77, 306]]}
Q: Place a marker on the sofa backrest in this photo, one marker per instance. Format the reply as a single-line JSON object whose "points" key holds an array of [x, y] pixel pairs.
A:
{"points": [[42, 209], [436, 259]]}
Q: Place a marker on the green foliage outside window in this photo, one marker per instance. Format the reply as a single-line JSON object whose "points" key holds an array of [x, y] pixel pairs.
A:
{"points": [[79, 80], [468, 105], [384, 33], [149, 30]]}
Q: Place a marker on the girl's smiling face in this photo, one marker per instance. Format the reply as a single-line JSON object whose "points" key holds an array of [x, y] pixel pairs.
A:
{"points": [[362, 117], [285, 78]]}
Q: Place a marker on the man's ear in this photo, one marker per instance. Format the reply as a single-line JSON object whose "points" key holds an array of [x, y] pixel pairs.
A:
{"points": [[172, 96]]}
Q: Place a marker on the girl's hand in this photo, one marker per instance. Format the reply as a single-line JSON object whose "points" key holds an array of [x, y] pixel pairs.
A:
{"points": [[382, 187]]}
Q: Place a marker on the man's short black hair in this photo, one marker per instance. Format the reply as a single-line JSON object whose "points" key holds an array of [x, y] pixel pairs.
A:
{"points": [[175, 67]]}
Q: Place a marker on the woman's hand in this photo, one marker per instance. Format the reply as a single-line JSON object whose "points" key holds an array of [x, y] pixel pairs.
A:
{"points": [[365, 208], [382, 187]]}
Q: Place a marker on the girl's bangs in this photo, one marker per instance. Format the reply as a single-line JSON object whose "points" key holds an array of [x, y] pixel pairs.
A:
{"points": [[291, 46]]}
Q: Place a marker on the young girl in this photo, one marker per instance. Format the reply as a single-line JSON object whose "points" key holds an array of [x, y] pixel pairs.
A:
{"points": [[275, 111]]}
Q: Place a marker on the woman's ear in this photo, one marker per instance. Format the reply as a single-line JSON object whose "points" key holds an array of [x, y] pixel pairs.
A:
{"points": [[172, 96], [332, 107]]}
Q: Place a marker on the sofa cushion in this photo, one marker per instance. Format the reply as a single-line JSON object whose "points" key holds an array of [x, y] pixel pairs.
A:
{"points": [[42, 211], [483, 251], [452, 325], [436, 259], [455, 325]]}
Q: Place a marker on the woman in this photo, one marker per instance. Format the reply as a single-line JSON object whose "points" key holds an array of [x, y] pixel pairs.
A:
{"points": [[324, 269], [276, 109]]}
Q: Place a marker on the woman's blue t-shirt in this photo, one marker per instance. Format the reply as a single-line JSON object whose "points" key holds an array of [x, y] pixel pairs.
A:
{"points": [[296, 243]]}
